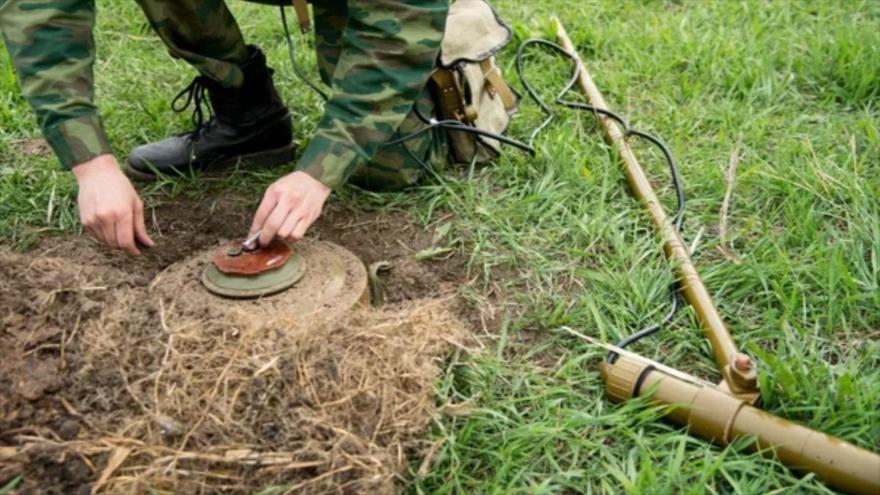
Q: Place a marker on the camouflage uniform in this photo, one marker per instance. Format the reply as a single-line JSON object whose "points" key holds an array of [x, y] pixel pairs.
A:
{"points": [[376, 56]]}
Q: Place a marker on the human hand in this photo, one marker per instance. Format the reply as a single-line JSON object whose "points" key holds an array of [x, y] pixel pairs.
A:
{"points": [[109, 207], [289, 207]]}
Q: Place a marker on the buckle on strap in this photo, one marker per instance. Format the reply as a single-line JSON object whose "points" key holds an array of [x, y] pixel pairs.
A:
{"points": [[497, 84]]}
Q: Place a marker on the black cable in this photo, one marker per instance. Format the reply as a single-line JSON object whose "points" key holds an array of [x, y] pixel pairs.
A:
{"points": [[627, 132], [431, 125], [455, 125], [296, 68], [650, 329]]}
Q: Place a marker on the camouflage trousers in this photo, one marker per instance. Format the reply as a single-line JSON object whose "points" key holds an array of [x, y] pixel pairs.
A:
{"points": [[205, 34]]}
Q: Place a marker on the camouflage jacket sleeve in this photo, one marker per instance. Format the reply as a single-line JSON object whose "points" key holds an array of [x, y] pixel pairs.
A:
{"points": [[387, 51], [53, 50]]}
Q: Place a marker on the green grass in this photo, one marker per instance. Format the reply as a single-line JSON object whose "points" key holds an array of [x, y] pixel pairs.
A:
{"points": [[563, 243]]}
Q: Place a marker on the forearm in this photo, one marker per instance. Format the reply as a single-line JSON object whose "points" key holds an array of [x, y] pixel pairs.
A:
{"points": [[388, 52], [53, 51]]}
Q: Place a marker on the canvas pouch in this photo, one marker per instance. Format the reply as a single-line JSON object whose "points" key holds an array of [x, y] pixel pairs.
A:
{"points": [[468, 84]]}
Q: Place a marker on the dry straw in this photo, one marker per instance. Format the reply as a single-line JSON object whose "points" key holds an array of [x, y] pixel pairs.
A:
{"points": [[182, 395]]}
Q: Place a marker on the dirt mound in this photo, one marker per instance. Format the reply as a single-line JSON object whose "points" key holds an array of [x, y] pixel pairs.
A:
{"points": [[334, 281], [108, 382]]}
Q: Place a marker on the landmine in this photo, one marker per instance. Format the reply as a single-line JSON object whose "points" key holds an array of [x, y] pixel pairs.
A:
{"points": [[318, 282]]}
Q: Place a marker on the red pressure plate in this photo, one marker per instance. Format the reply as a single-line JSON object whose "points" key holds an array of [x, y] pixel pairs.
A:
{"points": [[232, 259]]}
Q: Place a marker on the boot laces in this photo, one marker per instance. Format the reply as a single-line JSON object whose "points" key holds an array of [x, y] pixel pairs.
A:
{"points": [[196, 94]]}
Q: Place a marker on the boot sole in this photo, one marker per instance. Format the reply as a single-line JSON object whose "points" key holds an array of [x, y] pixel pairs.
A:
{"points": [[267, 158]]}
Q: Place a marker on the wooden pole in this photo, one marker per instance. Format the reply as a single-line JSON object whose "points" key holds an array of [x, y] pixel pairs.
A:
{"points": [[736, 368]]}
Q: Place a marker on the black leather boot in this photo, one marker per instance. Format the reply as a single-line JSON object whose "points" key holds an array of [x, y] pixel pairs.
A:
{"points": [[249, 125]]}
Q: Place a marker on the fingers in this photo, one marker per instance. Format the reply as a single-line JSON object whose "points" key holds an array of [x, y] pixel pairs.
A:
{"points": [[119, 230], [109, 206], [140, 228], [108, 230], [273, 223], [94, 232], [300, 231], [90, 222], [270, 199], [295, 226], [125, 234], [290, 224], [289, 207]]}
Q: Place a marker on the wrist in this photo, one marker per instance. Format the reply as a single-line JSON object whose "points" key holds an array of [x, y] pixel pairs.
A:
{"points": [[98, 165], [78, 139], [312, 180]]}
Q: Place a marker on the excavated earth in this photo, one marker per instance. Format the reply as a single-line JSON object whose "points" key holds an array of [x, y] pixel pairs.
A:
{"points": [[122, 375]]}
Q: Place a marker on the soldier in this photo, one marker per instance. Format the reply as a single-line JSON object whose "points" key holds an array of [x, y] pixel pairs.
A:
{"points": [[376, 56]]}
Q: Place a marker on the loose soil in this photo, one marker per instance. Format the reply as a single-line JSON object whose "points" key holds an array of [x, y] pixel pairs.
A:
{"points": [[112, 381]]}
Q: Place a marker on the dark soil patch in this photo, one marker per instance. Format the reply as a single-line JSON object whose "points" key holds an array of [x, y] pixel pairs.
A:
{"points": [[82, 342], [182, 227]]}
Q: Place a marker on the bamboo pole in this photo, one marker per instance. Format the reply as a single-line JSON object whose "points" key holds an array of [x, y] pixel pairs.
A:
{"points": [[719, 414], [736, 368], [713, 414]]}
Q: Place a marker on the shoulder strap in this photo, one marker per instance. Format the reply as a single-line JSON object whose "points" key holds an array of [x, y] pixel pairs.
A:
{"points": [[448, 96], [492, 73]]}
